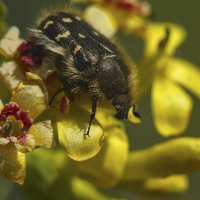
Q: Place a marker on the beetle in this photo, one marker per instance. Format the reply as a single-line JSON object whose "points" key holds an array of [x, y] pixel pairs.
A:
{"points": [[85, 60]]}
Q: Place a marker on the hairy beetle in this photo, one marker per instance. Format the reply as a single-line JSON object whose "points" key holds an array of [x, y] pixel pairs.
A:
{"points": [[86, 61]]}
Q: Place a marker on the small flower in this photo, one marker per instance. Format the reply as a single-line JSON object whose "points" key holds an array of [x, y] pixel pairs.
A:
{"points": [[18, 132]]}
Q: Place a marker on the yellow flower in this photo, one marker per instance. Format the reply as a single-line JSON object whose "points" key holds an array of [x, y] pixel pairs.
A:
{"points": [[18, 133], [167, 74]]}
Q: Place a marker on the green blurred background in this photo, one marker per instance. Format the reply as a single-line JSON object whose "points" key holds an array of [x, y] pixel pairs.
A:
{"points": [[186, 13]]}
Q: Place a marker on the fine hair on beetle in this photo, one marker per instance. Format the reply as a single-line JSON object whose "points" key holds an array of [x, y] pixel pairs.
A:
{"points": [[85, 61]]}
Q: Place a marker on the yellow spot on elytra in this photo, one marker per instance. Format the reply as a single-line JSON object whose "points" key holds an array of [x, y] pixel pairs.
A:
{"points": [[78, 18], [95, 33], [78, 47], [67, 20], [47, 24], [81, 35], [62, 35]]}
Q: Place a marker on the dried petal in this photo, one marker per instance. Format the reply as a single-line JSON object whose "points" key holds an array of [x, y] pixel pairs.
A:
{"points": [[10, 42], [4, 141], [42, 133], [171, 107], [25, 143], [72, 128], [35, 77], [30, 98], [11, 75], [12, 163]]}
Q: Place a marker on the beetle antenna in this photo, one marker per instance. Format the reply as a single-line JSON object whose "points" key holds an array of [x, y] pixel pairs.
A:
{"points": [[135, 112]]}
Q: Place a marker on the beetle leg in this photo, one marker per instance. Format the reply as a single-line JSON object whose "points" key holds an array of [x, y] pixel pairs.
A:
{"points": [[95, 100], [60, 89]]}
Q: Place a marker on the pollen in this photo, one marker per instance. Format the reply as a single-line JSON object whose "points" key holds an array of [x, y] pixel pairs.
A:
{"points": [[67, 20], [78, 47], [81, 35], [47, 24], [62, 35]]}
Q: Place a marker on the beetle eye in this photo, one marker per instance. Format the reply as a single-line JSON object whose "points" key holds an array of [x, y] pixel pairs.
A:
{"points": [[134, 116]]}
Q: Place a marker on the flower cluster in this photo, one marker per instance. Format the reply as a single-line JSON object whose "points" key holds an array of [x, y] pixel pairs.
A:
{"points": [[75, 164]]}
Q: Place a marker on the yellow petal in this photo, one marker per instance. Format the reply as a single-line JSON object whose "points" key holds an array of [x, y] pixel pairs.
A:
{"points": [[156, 32], [12, 163], [171, 107], [42, 133], [178, 156], [26, 144], [31, 98], [101, 19], [166, 186], [184, 73], [11, 75], [170, 185], [72, 128], [134, 24], [107, 166], [10, 42]]}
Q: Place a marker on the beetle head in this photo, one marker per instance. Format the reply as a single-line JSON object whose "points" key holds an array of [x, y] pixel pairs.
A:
{"points": [[124, 109], [122, 106]]}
